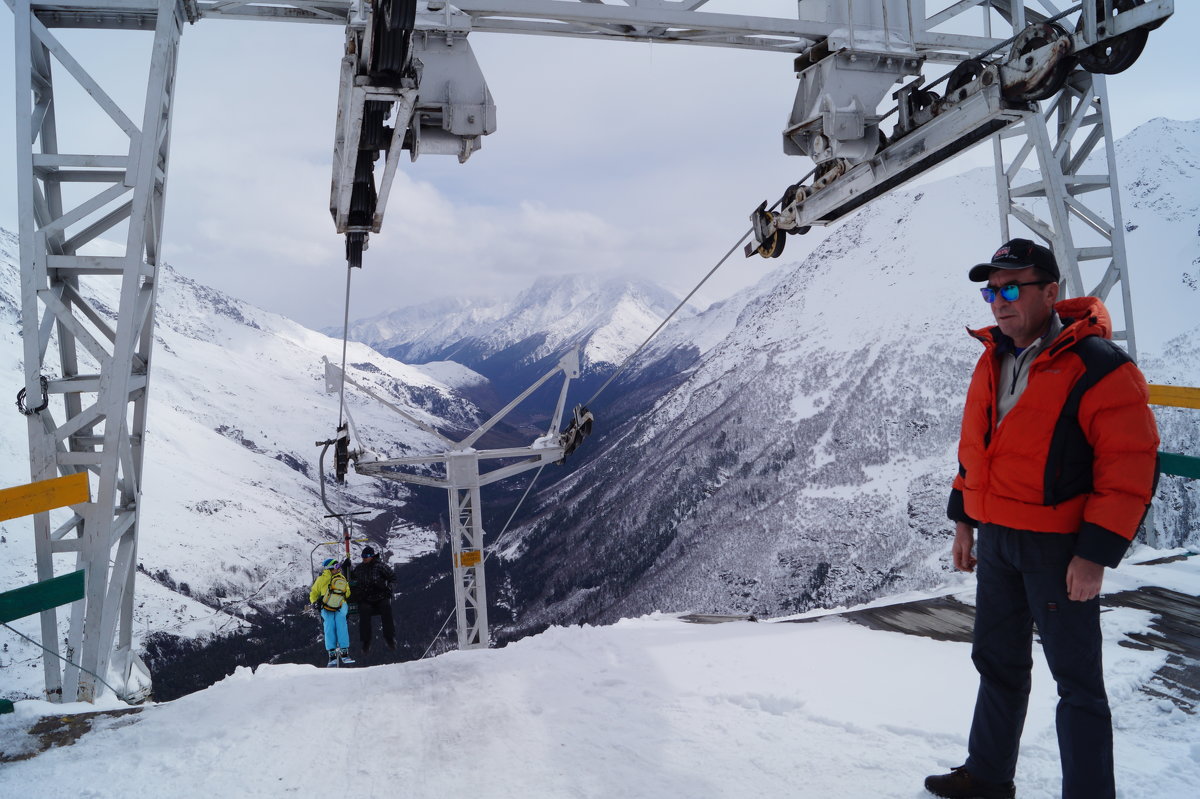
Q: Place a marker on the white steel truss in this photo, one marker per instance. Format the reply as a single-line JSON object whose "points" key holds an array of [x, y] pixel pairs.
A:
{"points": [[467, 554], [1020, 86], [87, 368], [1073, 204], [1077, 213]]}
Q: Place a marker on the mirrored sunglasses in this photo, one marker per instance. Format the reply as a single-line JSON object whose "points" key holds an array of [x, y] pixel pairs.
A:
{"points": [[1010, 291]]}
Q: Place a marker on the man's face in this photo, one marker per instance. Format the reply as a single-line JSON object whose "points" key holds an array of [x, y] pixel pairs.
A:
{"points": [[1026, 317]]}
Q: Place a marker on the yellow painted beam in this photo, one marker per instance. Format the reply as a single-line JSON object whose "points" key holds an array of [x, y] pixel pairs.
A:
{"points": [[1178, 396], [43, 495]]}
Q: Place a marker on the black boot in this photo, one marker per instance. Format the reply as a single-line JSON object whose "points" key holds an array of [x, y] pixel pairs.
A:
{"points": [[959, 784]]}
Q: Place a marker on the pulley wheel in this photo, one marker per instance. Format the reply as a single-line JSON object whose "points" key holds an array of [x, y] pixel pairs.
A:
{"points": [[963, 75], [1047, 81], [1113, 55], [772, 246], [921, 100], [791, 194], [393, 22], [796, 191]]}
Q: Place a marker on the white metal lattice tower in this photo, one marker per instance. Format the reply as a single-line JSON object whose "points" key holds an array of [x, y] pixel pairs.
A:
{"points": [[1078, 214], [87, 368]]}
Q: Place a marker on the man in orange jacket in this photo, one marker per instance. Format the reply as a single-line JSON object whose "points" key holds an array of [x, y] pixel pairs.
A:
{"points": [[1057, 466]]}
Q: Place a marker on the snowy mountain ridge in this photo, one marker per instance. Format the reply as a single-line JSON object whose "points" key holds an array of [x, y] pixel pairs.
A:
{"points": [[805, 458], [1159, 166], [607, 319], [1165, 185]]}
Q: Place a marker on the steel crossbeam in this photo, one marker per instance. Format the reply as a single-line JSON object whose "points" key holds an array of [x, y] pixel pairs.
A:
{"points": [[1078, 214]]}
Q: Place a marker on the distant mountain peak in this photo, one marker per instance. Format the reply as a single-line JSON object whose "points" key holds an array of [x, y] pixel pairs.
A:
{"points": [[608, 317]]}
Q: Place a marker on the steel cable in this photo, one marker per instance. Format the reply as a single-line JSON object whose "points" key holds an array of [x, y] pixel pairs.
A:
{"points": [[683, 302], [65, 660], [345, 342]]}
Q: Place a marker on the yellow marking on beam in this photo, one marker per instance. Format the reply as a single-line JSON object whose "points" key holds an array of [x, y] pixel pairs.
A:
{"points": [[1177, 396], [469, 558], [43, 495]]}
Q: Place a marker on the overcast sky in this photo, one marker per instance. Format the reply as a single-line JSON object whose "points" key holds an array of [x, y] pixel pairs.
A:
{"points": [[609, 158]]}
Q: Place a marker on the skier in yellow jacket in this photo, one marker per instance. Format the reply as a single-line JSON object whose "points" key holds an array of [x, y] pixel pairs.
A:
{"points": [[330, 593]]}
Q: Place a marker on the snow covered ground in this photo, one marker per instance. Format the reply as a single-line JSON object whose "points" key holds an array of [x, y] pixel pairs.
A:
{"points": [[649, 707]]}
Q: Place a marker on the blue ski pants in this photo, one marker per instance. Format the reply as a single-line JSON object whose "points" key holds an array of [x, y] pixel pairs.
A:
{"points": [[337, 634], [1022, 580]]}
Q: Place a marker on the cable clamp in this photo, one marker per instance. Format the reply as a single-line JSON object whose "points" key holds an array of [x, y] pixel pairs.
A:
{"points": [[27, 411]]}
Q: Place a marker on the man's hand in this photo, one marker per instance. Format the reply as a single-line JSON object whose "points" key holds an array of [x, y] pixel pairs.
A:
{"points": [[964, 542], [1084, 578]]}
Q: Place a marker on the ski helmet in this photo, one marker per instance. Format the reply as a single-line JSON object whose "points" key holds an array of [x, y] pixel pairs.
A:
{"points": [[330, 563], [368, 552]]}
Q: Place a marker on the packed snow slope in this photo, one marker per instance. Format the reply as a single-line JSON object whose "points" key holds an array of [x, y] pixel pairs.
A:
{"points": [[649, 708]]}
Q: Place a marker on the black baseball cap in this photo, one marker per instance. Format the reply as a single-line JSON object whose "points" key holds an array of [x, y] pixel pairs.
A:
{"points": [[1017, 254]]}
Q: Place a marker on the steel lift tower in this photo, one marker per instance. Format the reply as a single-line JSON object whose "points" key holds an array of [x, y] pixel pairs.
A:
{"points": [[460, 465], [1025, 73], [86, 398]]}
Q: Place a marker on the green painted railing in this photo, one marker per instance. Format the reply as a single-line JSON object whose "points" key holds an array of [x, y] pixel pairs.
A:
{"points": [[31, 599], [1178, 397], [1182, 465]]}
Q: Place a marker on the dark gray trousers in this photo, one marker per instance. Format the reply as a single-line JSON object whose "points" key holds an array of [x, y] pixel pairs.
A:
{"points": [[1022, 581], [382, 609]]}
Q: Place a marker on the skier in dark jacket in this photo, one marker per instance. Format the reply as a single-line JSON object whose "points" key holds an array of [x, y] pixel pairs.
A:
{"points": [[373, 587]]}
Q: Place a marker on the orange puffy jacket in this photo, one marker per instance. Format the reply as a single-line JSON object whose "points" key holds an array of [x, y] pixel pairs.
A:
{"points": [[1077, 453]]}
